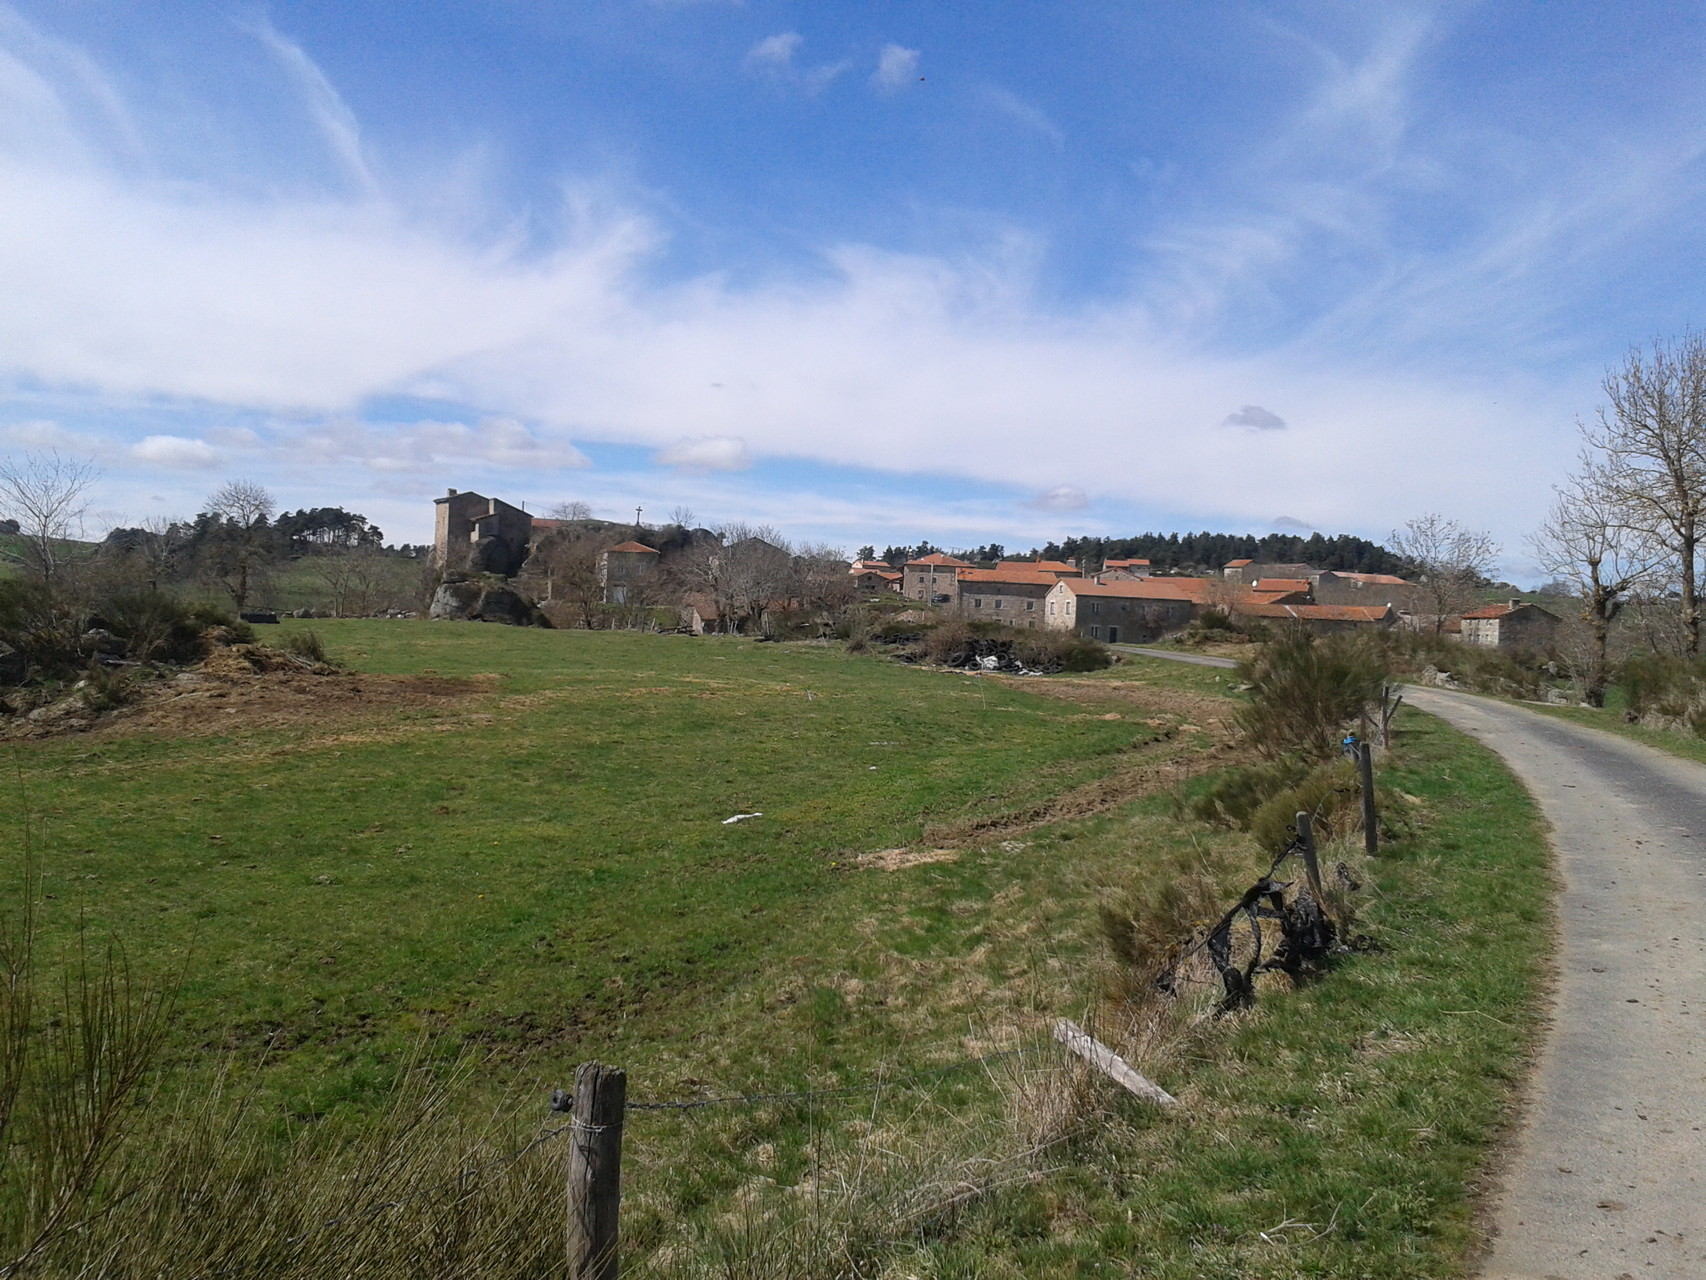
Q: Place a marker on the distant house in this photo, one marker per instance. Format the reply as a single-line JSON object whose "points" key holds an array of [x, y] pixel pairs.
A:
{"points": [[1125, 610], [1249, 572], [479, 534], [1116, 569], [622, 566], [1516, 625], [699, 614], [1334, 586], [874, 579], [933, 578]]}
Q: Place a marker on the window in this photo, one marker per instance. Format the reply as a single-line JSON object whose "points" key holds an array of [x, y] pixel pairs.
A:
{"points": [[998, 602], [1095, 633], [1095, 606], [1030, 605], [977, 602]]}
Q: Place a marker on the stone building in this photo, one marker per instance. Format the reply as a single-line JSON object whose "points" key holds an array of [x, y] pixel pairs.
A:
{"points": [[1012, 594], [933, 579], [479, 534], [1124, 611], [622, 566], [1516, 625]]}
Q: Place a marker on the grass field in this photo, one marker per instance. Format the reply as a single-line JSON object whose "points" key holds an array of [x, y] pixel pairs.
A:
{"points": [[538, 867], [542, 863]]}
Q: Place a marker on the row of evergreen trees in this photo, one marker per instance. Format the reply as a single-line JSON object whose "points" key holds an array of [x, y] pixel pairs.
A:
{"points": [[1190, 552]]}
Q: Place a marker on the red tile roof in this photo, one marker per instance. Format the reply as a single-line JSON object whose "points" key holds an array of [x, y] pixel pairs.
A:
{"points": [[1281, 584], [634, 546], [1375, 579], [1124, 564], [1016, 576], [1238, 564], [937, 558], [1318, 612], [1195, 590], [1493, 610]]}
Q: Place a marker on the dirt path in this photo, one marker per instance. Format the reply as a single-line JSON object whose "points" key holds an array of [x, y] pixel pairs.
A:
{"points": [[1608, 1175]]}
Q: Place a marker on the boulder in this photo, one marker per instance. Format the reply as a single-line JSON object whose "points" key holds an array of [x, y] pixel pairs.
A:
{"points": [[471, 601], [100, 640]]}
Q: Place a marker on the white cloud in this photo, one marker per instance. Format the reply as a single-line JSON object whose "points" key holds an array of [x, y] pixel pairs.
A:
{"points": [[1254, 418], [773, 58], [134, 288], [775, 51], [176, 452], [1063, 497], [897, 68], [706, 453]]}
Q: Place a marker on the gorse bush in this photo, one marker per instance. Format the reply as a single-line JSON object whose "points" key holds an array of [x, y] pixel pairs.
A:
{"points": [[1304, 690], [1666, 690], [47, 627], [305, 644], [1483, 670]]}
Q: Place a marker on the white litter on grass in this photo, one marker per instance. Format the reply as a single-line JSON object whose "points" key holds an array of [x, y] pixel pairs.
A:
{"points": [[741, 817]]}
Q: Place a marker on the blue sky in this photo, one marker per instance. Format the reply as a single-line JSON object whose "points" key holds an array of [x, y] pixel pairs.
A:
{"points": [[867, 271]]}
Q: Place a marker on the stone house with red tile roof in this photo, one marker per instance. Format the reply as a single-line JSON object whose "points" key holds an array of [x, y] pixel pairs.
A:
{"points": [[1516, 625], [621, 567], [933, 579]]}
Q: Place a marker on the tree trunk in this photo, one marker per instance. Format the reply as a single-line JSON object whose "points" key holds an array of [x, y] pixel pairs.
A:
{"points": [[1687, 544]]}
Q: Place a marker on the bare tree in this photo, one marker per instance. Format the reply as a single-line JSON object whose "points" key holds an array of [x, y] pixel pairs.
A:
{"points": [[48, 495], [1652, 435], [570, 511], [1587, 542], [242, 552], [682, 517], [1451, 561], [751, 569]]}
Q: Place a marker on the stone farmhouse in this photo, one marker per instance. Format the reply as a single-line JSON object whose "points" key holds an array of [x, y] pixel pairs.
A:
{"points": [[933, 579], [1516, 625], [622, 566]]}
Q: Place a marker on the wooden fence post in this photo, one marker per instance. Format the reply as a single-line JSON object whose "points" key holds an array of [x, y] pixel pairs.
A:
{"points": [[595, 1170], [1306, 839], [1370, 820]]}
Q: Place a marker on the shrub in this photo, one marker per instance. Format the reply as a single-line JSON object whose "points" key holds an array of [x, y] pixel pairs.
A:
{"points": [[1304, 690], [1063, 649], [161, 628], [1666, 690], [1232, 798], [305, 644], [1494, 671], [104, 687]]}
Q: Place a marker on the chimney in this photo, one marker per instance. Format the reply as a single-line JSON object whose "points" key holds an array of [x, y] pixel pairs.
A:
{"points": [[1517, 601], [450, 493]]}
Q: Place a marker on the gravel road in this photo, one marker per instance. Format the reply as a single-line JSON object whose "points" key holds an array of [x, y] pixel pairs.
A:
{"points": [[1607, 1178]]}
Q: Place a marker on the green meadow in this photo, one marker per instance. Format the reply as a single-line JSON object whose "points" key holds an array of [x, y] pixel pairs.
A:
{"points": [[531, 867]]}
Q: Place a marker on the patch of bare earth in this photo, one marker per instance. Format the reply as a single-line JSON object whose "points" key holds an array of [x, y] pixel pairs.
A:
{"points": [[245, 687]]}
